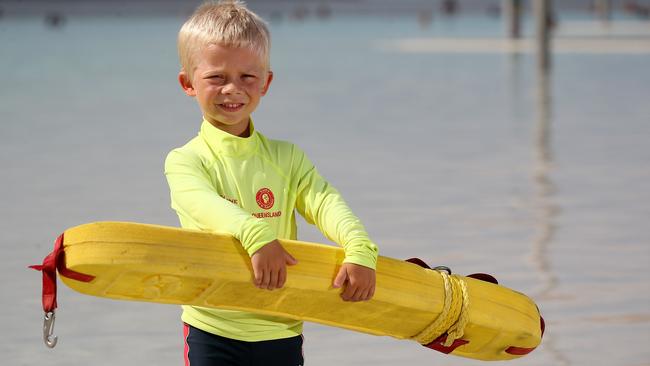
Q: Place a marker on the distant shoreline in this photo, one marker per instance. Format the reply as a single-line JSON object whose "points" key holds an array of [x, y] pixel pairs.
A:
{"points": [[292, 9]]}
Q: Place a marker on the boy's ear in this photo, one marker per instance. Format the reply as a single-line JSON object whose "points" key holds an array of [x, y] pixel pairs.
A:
{"points": [[186, 83], [269, 78]]}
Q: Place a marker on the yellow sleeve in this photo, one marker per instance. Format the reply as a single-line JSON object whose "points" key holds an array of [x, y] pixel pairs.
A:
{"points": [[196, 200], [322, 205]]}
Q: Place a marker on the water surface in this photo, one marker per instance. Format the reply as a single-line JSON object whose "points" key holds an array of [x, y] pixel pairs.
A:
{"points": [[459, 159]]}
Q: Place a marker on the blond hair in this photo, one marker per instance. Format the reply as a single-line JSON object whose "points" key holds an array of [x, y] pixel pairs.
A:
{"points": [[228, 23]]}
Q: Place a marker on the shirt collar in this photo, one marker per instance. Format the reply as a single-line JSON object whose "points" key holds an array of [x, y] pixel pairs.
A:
{"points": [[224, 143]]}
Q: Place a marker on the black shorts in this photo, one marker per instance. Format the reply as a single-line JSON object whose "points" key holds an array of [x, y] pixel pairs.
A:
{"points": [[207, 349]]}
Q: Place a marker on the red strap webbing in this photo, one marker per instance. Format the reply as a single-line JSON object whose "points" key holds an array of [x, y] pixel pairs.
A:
{"points": [[439, 344], [53, 262]]}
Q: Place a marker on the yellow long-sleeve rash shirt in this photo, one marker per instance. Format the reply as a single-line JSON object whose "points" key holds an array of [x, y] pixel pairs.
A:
{"points": [[251, 187]]}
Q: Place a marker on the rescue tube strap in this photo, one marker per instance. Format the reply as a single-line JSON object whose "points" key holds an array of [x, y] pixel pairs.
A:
{"points": [[454, 314], [51, 263]]}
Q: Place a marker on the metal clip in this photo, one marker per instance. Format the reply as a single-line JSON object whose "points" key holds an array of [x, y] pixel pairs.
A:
{"points": [[442, 268], [48, 330]]}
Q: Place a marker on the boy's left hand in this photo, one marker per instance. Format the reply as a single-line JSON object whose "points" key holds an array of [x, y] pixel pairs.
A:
{"points": [[359, 282]]}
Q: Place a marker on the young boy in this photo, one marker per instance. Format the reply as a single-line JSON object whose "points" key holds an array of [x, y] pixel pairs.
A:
{"points": [[230, 178]]}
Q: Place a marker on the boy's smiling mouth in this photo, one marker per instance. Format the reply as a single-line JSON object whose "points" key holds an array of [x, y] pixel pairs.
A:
{"points": [[231, 107]]}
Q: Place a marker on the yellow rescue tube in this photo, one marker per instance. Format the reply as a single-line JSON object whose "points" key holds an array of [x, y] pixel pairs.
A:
{"points": [[160, 264]]}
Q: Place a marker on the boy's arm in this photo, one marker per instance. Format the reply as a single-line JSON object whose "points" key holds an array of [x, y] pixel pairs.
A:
{"points": [[195, 198], [321, 204]]}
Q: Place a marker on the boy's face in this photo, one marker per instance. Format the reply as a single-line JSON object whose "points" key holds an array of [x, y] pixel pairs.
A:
{"points": [[228, 84]]}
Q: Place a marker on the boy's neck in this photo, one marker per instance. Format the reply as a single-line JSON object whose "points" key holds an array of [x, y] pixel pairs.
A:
{"points": [[246, 132], [239, 130]]}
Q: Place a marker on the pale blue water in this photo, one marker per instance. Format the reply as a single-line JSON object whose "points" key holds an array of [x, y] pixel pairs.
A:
{"points": [[443, 156]]}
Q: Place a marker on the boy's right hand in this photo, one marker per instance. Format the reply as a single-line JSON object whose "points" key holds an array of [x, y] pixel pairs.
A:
{"points": [[270, 265]]}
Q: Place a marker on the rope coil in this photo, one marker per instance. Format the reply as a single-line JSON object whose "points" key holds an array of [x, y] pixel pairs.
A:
{"points": [[454, 315]]}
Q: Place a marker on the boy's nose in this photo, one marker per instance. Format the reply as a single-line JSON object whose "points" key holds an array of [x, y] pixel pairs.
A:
{"points": [[231, 88]]}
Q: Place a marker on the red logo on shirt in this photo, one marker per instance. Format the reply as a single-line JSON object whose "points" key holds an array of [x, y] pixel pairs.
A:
{"points": [[264, 198]]}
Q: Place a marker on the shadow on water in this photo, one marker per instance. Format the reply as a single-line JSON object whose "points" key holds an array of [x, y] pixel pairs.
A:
{"points": [[546, 210]]}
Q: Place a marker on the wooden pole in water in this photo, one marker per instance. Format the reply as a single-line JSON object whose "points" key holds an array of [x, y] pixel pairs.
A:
{"points": [[512, 16], [604, 9], [543, 24]]}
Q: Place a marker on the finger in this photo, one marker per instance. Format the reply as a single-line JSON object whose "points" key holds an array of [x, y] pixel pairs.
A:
{"points": [[371, 293], [348, 292], [290, 260], [340, 279], [257, 273], [365, 295], [358, 294], [273, 282], [361, 294], [266, 278], [282, 277]]}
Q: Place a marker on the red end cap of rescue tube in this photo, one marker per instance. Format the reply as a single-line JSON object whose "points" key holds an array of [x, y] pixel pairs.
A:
{"points": [[520, 351]]}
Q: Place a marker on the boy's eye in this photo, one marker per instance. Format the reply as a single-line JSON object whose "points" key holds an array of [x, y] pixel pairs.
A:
{"points": [[218, 79], [248, 76]]}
